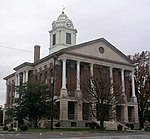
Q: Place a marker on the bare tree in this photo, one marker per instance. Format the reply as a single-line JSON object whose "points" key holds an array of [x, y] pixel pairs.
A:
{"points": [[102, 94], [142, 82]]}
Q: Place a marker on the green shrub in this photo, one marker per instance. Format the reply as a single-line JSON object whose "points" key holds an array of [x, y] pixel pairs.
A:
{"points": [[93, 125], [11, 129], [5, 128], [23, 127]]}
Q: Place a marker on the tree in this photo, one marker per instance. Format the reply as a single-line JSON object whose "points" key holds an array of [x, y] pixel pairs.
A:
{"points": [[102, 94], [34, 102], [10, 112], [147, 112], [142, 82]]}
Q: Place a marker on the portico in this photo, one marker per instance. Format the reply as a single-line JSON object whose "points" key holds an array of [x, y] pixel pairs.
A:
{"points": [[65, 98]]}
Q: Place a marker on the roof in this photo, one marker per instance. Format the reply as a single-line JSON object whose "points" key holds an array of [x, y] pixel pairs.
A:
{"points": [[66, 50], [9, 76], [23, 65], [95, 41]]}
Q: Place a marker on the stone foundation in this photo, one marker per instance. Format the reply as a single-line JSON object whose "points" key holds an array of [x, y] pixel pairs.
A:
{"points": [[74, 124]]}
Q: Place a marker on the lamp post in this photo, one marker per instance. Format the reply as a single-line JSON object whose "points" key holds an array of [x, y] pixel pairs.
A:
{"points": [[53, 88]]}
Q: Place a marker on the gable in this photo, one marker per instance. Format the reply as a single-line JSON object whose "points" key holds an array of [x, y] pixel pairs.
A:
{"points": [[95, 49]]}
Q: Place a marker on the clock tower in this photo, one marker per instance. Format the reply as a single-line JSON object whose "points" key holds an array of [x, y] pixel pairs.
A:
{"points": [[63, 34]]}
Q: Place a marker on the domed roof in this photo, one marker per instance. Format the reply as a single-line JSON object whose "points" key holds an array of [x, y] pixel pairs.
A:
{"points": [[62, 16], [62, 21]]}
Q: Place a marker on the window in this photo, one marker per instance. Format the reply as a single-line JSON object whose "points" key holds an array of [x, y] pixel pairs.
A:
{"points": [[73, 124], [54, 39], [68, 38], [40, 78], [101, 49]]}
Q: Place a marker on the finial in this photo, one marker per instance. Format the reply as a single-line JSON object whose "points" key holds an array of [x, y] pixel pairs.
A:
{"points": [[63, 9]]}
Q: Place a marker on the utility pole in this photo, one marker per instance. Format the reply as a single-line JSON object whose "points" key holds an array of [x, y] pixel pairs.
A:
{"points": [[53, 88]]}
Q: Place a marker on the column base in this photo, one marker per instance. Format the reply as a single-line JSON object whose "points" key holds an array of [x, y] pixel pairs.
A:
{"points": [[63, 109], [63, 93], [136, 126], [78, 94], [134, 99], [79, 111], [125, 113]]}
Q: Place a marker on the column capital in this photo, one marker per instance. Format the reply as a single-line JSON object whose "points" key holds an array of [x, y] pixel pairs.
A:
{"points": [[91, 64], [63, 59], [111, 67], [122, 70], [78, 61]]}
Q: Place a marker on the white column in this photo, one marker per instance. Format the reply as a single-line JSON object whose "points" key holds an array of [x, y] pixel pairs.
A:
{"points": [[91, 69], [64, 74], [78, 76], [133, 85], [26, 76], [16, 79], [111, 79], [4, 114], [122, 81]]}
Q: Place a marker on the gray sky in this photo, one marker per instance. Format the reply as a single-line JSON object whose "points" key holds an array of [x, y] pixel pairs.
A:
{"points": [[25, 23]]}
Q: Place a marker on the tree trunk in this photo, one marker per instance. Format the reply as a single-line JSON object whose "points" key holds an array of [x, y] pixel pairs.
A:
{"points": [[141, 119], [141, 122], [35, 124], [102, 125]]}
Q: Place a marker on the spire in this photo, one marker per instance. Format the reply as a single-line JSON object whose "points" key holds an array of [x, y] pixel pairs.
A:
{"points": [[63, 9]]}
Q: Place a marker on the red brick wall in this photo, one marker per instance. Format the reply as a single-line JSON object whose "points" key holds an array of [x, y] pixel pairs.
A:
{"points": [[71, 78]]}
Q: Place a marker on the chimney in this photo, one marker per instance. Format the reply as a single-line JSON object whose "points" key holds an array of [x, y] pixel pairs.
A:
{"points": [[36, 53]]}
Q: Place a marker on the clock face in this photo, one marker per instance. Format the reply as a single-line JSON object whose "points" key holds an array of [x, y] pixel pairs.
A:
{"points": [[68, 24], [53, 24]]}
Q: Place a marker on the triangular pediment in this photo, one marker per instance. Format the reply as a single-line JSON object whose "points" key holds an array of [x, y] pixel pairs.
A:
{"points": [[101, 49]]}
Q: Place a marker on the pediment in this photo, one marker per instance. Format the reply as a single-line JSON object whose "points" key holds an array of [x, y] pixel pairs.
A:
{"points": [[101, 49]]}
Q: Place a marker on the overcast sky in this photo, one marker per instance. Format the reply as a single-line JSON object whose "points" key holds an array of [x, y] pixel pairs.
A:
{"points": [[25, 23]]}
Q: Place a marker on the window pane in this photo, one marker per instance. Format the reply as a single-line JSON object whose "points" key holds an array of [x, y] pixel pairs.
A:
{"points": [[68, 38], [54, 39]]}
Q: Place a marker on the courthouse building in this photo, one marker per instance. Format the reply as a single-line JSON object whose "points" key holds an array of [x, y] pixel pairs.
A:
{"points": [[71, 61]]}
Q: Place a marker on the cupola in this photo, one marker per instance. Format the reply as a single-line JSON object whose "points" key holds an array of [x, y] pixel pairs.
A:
{"points": [[63, 34]]}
